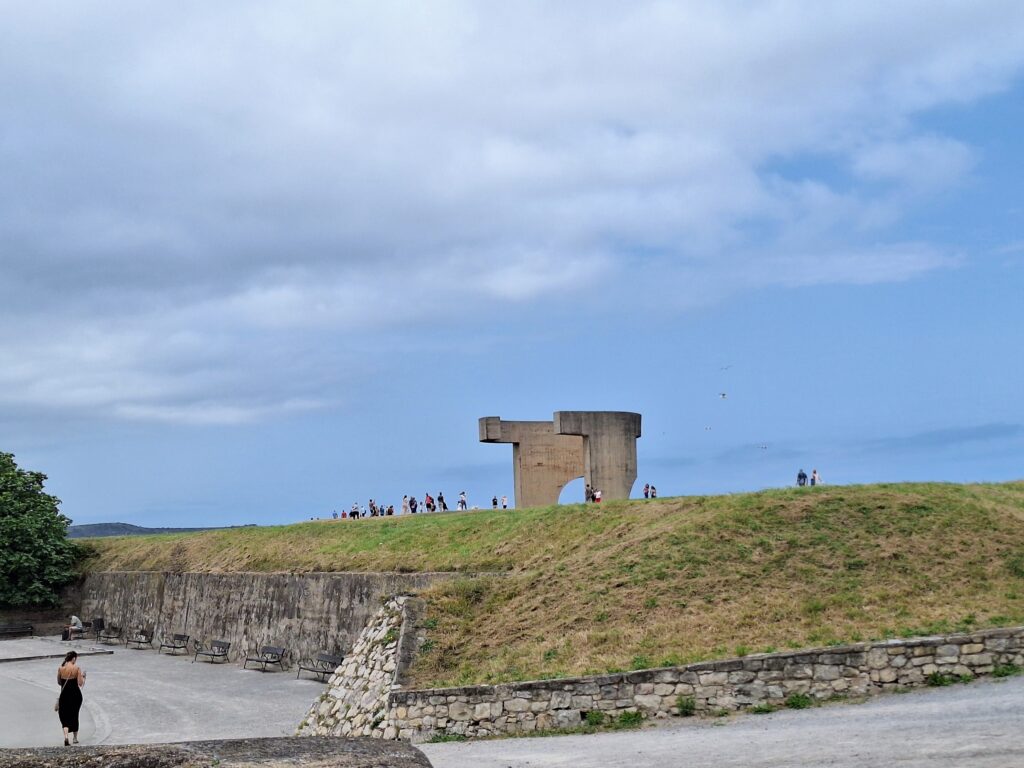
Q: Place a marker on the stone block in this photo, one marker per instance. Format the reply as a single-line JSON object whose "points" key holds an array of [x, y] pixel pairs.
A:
{"points": [[648, 701], [664, 689], [713, 678], [826, 672], [971, 648], [877, 658], [643, 689], [567, 718], [459, 711], [742, 676], [799, 671], [976, 659], [522, 705], [561, 699]]}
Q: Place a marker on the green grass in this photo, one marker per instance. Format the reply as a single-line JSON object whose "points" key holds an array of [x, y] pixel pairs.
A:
{"points": [[799, 701], [586, 591]]}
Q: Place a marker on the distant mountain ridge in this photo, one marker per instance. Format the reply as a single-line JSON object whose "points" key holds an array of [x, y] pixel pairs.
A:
{"points": [[98, 530]]}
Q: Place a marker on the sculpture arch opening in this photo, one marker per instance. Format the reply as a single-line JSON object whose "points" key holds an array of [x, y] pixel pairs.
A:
{"points": [[573, 491]]}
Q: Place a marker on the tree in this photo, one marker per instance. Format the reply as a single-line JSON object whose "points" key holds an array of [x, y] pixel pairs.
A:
{"points": [[36, 557]]}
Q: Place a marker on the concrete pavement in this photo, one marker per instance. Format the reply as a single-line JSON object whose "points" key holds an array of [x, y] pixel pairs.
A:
{"points": [[141, 697]]}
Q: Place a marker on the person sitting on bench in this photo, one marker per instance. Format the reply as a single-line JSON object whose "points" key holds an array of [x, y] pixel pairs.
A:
{"points": [[73, 629]]}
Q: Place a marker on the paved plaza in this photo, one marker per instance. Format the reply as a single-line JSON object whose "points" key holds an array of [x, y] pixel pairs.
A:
{"points": [[138, 696]]}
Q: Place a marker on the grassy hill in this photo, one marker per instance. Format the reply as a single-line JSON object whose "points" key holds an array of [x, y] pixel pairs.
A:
{"points": [[641, 583]]}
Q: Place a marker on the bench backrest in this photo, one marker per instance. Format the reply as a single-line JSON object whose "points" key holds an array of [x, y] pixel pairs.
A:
{"points": [[330, 659], [97, 624], [180, 638], [220, 646], [271, 650]]}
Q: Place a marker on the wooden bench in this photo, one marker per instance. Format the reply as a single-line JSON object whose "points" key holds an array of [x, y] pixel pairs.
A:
{"points": [[139, 638], [14, 630], [269, 654], [178, 642], [323, 665], [218, 650], [111, 634]]}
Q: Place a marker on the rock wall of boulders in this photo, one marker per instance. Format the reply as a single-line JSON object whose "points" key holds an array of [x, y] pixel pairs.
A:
{"points": [[356, 702], [732, 685]]}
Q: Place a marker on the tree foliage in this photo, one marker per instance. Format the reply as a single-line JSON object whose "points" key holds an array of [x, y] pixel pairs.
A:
{"points": [[36, 557]]}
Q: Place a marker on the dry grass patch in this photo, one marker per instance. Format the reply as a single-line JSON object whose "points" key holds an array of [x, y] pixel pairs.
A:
{"points": [[681, 580]]}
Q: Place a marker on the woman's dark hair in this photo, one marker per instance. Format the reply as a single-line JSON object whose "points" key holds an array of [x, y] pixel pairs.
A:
{"points": [[71, 656]]}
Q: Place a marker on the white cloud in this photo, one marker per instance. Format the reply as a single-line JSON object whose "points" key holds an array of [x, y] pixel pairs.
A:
{"points": [[197, 198], [924, 164]]}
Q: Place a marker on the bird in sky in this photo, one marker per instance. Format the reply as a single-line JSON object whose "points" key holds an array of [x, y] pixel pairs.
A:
{"points": [[722, 395], [725, 368], [764, 447]]}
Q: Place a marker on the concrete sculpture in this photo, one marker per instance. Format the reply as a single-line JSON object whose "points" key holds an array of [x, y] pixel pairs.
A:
{"points": [[546, 455]]}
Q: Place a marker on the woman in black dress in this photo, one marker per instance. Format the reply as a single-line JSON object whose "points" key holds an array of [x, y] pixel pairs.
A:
{"points": [[70, 678]]}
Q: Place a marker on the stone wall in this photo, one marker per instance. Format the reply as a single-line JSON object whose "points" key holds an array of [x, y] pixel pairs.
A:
{"points": [[731, 685], [305, 613]]}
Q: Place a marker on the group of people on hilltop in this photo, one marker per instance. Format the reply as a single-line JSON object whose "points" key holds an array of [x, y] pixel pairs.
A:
{"points": [[504, 502], [650, 492], [802, 479], [410, 506]]}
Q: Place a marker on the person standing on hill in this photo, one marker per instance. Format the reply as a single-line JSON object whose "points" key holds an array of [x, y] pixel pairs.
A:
{"points": [[504, 502], [412, 505], [71, 679], [801, 478], [494, 501], [463, 502], [654, 492], [588, 494], [815, 477], [442, 506], [647, 490]]}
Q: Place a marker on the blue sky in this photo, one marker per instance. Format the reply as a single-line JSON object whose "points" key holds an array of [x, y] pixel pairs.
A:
{"points": [[258, 263]]}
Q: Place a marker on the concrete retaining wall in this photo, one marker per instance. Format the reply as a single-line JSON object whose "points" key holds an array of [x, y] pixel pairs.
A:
{"points": [[306, 613]]}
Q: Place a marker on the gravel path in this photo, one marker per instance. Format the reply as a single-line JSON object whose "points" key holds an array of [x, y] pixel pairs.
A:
{"points": [[964, 726]]}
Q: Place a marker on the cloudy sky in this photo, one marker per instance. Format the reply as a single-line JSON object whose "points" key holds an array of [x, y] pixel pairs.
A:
{"points": [[259, 261]]}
